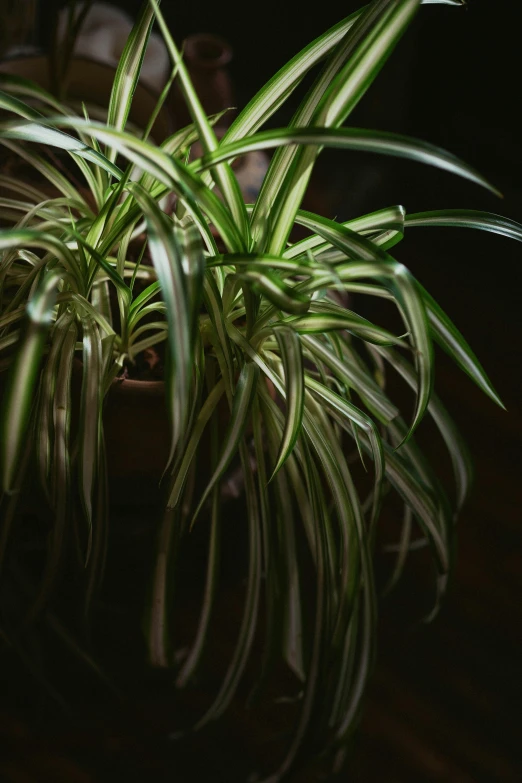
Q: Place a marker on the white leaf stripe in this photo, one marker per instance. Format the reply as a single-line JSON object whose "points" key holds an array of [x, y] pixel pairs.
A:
{"points": [[128, 73], [380, 142], [291, 354]]}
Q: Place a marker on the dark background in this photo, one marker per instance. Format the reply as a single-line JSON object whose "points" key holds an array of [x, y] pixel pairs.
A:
{"points": [[444, 703]]}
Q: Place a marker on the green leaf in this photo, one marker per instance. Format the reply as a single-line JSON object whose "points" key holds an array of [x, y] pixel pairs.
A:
{"points": [[49, 172], [218, 335], [385, 228], [359, 663], [273, 570], [274, 93], [269, 201], [29, 89], [248, 625], [467, 218], [451, 340], [146, 295], [194, 267], [262, 262], [128, 73], [318, 650], [46, 396], [179, 476], [223, 175], [291, 355], [243, 399], [60, 473], [376, 34], [349, 550], [400, 282], [350, 70], [350, 413], [280, 87], [457, 449], [10, 103], [459, 3], [402, 547], [292, 620], [183, 139], [350, 374], [168, 258], [193, 659], [24, 130], [192, 191], [100, 532], [421, 502], [90, 421], [19, 394], [272, 286], [255, 356], [333, 318], [380, 142], [22, 188]]}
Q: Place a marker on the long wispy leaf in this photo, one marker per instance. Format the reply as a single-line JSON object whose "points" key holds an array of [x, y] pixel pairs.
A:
{"points": [[19, 394], [243, 399], [90, 421], [380, 142], [292, 358], [25, 130], [223, 174], [168, 171], [385, 227], [128, 73], [457, 449], [279, 88], [452, 341], [467, 218], [405, 289], [368, 45], [248, 625], [168, 256]]}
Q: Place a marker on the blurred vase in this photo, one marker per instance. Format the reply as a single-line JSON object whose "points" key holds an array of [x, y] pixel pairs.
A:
{"points": [[206, 57]]}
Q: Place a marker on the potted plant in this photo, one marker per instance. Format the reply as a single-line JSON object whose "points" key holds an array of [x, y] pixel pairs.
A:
{"points": [[265, 366]]}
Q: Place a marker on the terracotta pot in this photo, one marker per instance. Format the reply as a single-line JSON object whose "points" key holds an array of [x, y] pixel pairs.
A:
{"points": [[137, 439], [137, 431], [137, 436]]}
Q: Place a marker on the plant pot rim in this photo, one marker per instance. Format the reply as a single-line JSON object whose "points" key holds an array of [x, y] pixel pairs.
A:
{"points": [[134, 387]]}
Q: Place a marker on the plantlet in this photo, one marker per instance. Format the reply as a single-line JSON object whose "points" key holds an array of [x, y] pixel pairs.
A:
{"points": [[247, 317]]}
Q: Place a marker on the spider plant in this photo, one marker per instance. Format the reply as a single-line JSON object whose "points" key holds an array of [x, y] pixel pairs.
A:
{"points": [[251, 318]]}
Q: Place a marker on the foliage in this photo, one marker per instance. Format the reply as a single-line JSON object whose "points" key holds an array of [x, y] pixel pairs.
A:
{"points": [[249, 317]]}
